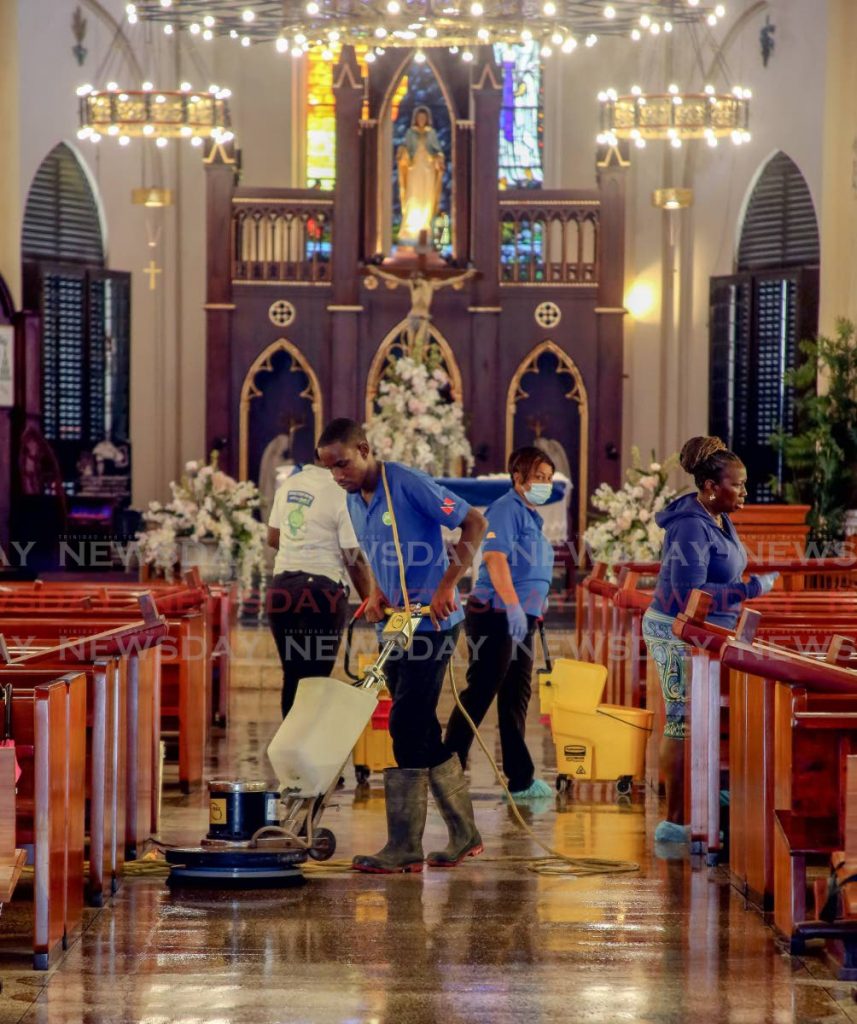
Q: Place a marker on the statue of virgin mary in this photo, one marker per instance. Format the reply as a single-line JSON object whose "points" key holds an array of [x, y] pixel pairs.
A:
{"points": [[421, 162]]}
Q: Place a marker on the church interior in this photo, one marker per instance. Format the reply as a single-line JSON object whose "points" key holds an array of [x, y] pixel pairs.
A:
{"points": [[586, 229]]}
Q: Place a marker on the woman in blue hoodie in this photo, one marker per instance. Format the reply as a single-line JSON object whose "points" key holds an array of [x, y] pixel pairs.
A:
{"points": [[701, 551]]}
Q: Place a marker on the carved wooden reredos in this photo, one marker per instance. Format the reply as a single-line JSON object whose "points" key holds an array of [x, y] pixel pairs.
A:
{"points": [[306, 251]]}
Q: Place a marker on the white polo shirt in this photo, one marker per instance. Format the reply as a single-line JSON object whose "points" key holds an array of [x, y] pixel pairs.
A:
{"points": [[310, 512]]}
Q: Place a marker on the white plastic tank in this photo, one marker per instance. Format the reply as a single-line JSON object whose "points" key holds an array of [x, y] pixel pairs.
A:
{"points": [[316, 737]]}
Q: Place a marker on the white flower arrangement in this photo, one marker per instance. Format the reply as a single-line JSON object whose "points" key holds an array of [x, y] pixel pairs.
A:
{"points": [[207, 506], [627, 531], [417, 422]]}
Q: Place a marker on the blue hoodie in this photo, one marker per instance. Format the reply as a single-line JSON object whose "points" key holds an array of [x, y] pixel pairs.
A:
{"points": [[699, 556]]}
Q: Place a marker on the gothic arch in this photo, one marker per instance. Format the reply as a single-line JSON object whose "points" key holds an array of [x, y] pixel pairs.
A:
{"points": [[576, 393], [379, 362], [249, 391]]}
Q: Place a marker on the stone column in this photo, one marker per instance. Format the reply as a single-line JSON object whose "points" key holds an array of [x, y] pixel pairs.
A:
{"points": [[484, 389], [220, 174], [606, 434], [343, 397], [838, 220]]}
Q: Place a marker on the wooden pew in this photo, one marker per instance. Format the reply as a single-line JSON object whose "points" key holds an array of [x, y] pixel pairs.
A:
{"points": [[11, 859], [49, 725], [183, 663], [135, 653]]}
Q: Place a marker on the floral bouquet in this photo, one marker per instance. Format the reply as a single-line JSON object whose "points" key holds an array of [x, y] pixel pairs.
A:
{"points": [[417, 421], [627, 531], [207, 507]]}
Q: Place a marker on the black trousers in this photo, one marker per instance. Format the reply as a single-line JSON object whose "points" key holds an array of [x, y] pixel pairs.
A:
{"points": [[415, 679], [498, 668], [307, 615]]}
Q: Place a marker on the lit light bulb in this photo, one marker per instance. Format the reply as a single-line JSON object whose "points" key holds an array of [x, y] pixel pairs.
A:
{"points": [[245, 40], [655, 28], [569, 45], [640, 143], [546, 51], [195, 29], [161, 142], [233, 34], [312, 8], [166, 3], [84, 133], [208, 21], [84, 90], [148, 129], [186, 131], [712, 20], [185, 87], [248, 15], [693, 3], [556, 38], [549, 8], [431, 32], [207, 35], [712, 141], [224, 94], [130, 8], [477, 10], [484, 35], [672, 88], [394, 7], [591, 40], [602, 97], [380, 32], [95, 137], [113, 129], [282, 45], [636, 90], [601, 139], [124, 140], [147, 87], [720, 11], [676, 143], [612, 95], [160, 98], [467, 56], [420, 57], [214, 88], [370, 58], [168, 29], [132, 18], [645, 20], [453, 49], [609, 12], [526, 35], [196, 141], [327, 55], [636, 35], [112, 86]]}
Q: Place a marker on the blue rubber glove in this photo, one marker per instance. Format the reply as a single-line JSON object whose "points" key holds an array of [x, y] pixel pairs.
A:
{"points": [[517, 619], [767, 581]]}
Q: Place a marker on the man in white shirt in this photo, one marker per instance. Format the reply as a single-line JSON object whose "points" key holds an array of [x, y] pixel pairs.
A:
{"points": [[316, 548]]}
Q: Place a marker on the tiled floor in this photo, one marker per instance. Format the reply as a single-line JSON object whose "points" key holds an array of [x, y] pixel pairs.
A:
{"points": [[491, 941]]}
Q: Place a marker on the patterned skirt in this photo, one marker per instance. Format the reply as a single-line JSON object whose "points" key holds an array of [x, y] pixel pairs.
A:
{"points": [[672, 658]]}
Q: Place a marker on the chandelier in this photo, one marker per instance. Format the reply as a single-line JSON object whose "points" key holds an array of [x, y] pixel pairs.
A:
{"points": [[297, 26], [159, 115], [675, 116]]}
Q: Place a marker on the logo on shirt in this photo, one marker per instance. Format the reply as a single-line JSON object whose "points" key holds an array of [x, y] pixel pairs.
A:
{"points": [[300, 498], [491, 535], [296, 521], [448, 506], [387, 519]]}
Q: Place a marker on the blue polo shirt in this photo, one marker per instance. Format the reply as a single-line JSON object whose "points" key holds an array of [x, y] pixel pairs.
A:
{"points": [[515, 529], [422, 506]]}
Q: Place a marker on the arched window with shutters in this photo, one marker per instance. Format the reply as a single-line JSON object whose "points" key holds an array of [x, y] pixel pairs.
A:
{"points": [[758, 316], [85, 321]]}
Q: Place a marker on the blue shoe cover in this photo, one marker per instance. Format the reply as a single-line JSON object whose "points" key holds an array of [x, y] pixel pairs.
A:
{"points": [[670, 832], [537, 788]]}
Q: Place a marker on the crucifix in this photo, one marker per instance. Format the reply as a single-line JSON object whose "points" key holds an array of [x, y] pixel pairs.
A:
{"points": [[152, 270]]}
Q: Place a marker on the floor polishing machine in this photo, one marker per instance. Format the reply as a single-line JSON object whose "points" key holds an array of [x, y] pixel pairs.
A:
{"points": [[259, 837]]}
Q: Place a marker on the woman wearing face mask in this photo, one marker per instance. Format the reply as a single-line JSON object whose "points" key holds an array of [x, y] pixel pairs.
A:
{"points": [[502, 612]]}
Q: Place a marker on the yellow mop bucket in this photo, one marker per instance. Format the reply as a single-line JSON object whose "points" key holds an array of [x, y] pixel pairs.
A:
{"points": [[593, 740], [373, 751]]}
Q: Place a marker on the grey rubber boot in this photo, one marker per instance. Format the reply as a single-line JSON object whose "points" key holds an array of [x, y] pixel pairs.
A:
{"points": [[449, 788], [406, 795]]}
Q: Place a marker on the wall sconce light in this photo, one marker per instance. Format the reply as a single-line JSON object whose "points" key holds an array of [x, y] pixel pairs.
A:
{"points": [[152, 197], [640, 299], [672, 198]]}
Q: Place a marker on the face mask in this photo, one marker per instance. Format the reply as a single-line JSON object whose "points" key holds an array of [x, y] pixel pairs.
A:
{"points": [[538, 494]]}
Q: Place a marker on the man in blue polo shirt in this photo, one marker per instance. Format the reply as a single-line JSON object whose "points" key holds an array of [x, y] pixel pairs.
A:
{"points": [[502, 613], [421, 507]]}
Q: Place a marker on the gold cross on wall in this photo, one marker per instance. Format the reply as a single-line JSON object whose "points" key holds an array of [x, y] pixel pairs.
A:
{"points": [[152, 270]]}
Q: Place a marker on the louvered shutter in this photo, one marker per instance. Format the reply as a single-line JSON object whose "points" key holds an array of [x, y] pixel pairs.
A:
{"points": [[61, 220]]}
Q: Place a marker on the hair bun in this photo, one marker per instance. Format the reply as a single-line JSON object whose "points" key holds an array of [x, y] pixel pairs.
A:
{"points": [[698, 450]]}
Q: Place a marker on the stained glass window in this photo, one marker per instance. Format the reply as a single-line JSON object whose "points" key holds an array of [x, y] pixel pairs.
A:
{"points": [[521, 117], [321, 119]]}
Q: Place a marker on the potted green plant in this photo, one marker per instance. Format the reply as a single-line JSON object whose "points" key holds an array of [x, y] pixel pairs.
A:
{"points": [[820, 454]]}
